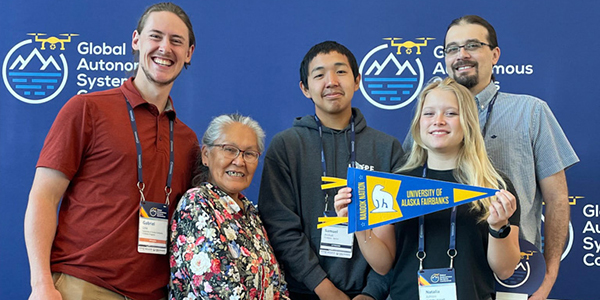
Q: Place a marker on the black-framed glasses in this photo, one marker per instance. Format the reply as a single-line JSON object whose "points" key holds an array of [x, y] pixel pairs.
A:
{"points": [[470, 46], [233, 152]]}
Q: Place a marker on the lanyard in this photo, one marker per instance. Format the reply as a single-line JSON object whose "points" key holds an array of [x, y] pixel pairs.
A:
{"points": [[452, 247], [489, 112], [138, 147], [352, 151]]}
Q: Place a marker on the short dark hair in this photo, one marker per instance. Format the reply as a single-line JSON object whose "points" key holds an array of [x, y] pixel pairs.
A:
{"points": [[477, 20], [325, 48], [169, 7]]}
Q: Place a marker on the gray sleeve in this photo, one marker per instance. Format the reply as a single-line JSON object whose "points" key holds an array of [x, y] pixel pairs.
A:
{"points": [[552, 150], [397, 156], [378, 286], [281, 217]]}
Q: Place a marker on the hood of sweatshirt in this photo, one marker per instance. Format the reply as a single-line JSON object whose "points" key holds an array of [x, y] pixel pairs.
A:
{"points": [[309, 121]]}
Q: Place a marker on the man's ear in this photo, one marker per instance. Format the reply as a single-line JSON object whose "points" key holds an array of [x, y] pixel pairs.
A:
{"points": [[357, 83], [305, 90], [495, 55], [135, 39]]}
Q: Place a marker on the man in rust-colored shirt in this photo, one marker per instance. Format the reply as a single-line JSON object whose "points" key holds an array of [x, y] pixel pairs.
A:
{"points": [[92, 162]]}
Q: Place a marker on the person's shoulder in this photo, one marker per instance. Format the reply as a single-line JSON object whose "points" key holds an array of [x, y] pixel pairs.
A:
{"points": [[288, 131], [503, 175], [379, 135], [290, 134], [196, 196], [522, 99], [186, 129], [99, 97], [89, 102]]}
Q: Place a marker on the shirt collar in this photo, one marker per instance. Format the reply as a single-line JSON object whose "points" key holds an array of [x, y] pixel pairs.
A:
{"points": [[228, 203], [484, 97], [135, 98]]}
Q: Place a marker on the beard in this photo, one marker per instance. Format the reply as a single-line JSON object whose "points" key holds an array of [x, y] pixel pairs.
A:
{"points": [[468, 81], [153, 80]]}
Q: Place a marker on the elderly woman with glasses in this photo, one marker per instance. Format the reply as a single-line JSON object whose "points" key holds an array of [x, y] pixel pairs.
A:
{"points": [[218, 247]]}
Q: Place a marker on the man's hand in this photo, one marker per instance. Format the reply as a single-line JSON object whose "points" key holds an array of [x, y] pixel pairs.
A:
{"points": [[45, 292], [544, 290]]}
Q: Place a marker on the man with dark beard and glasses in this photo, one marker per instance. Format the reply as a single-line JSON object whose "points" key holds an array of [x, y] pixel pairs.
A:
{"points": [[523, 139], [116, 159]]}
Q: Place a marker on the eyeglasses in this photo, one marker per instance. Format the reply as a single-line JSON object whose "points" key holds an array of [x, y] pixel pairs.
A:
{"points": [[233, 152], [470, 46]]}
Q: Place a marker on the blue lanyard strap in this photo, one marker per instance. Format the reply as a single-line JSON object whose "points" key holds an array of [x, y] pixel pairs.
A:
{"points": [[489, 112], [421, 254], [352, 152], [138, 146]]}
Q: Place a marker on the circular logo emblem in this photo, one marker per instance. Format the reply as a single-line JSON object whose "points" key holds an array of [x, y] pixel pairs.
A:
{"points": [[153, 212], [34, 75], [391, 78], [528, 274]]}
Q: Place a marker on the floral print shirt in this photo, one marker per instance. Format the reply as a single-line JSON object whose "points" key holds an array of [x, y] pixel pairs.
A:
{"points": [[218, 251]]}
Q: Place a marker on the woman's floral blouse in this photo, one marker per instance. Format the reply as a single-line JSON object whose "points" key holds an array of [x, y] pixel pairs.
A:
{"points": [[219, 252]]}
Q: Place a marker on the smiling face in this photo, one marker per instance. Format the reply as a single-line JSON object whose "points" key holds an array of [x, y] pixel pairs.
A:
{"points": [[473, 69], [231, 175], [331, 84], [439, 123], [164, 48]]}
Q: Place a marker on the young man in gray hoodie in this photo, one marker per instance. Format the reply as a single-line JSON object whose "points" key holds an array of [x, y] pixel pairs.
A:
{"points": [[326, 143]]}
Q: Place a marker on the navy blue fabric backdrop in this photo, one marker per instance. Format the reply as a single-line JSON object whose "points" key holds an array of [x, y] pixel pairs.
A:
{"points": [[247, 59]]}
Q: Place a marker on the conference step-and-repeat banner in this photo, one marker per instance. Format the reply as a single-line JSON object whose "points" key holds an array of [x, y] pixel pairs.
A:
{"points": [[247, 59]]}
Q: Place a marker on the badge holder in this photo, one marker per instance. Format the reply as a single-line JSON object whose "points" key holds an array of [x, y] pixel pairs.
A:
{"points": [[335, 239], [437, 284], [153, 224], [153, 220]]}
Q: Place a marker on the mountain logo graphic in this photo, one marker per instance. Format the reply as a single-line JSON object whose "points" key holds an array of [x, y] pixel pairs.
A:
{"points": [[392, 74], [36, 71]]}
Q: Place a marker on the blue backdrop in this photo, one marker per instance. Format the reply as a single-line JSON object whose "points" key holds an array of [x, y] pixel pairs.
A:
{"points": [[247, 59]]}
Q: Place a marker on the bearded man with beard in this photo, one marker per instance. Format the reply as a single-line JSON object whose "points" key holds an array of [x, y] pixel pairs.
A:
{"points": [[523, 139]]}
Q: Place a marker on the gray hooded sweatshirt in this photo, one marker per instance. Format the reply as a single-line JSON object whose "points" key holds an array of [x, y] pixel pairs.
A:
{"points": [[291, 199]]}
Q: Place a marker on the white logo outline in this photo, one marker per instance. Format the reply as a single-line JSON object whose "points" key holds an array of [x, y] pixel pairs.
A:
{"points": [[399, 105], [21, 98]]}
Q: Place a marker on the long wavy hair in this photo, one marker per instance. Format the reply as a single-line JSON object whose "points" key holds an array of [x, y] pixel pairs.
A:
{"points": [[473, 166]]}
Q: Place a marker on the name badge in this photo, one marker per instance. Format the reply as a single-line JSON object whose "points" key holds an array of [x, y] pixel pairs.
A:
{"points": [[437, 284], [153, 228], [336, 241]]}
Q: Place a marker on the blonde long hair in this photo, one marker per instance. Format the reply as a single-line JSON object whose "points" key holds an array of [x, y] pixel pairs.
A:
{"points": [[473, 166]]}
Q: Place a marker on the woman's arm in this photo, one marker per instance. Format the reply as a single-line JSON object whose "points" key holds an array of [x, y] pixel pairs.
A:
{"points": [[190, 248], [377, 245]]}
